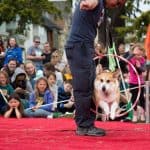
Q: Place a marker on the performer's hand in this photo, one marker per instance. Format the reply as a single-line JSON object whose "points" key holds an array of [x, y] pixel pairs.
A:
{"points": [[88, 4]]}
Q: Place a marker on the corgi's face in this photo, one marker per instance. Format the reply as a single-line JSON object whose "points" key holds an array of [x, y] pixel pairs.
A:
{"points": [[106, 82]]}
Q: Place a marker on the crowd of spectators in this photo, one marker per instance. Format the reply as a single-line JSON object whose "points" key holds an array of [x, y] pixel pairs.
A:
{"points": [[40, 84]]}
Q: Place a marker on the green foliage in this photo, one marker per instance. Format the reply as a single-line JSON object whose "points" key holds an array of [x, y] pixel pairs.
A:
{"points": [[26, 11], [136, 21]]}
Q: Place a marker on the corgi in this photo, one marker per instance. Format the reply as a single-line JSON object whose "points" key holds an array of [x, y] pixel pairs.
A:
{"points": [[107, 92]]}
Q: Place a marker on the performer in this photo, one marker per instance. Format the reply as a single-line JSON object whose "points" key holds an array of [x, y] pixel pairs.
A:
{"points": [[80, 51]]}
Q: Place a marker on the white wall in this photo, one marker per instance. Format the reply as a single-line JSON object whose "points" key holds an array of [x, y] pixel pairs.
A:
{"points": [[38, 31]]}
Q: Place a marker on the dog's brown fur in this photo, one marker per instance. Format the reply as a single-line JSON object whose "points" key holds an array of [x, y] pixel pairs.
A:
{"points": [[107, 92]]}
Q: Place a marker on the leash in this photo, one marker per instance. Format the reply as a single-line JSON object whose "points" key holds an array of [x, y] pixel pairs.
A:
{"points": [[67, 100]]}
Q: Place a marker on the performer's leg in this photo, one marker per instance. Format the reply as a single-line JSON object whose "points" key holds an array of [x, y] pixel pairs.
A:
{"points": [[83, 70]]}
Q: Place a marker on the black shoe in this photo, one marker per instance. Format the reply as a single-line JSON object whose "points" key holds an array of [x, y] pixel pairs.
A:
{"points": [[91, 131]]}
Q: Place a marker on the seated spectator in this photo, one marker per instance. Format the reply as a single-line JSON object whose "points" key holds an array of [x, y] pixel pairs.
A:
{"points": [[57, 61], [5, 90], [47, 53], [10, 67], [54, 88], [32, 73], [67, 73], [13, 51], [65, 98], [48, 67], [21, 85], [34, 54], [40, 101], [14, 107]]}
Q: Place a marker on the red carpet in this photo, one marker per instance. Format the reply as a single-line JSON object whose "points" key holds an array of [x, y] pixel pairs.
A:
{"points": [[58, 134]]}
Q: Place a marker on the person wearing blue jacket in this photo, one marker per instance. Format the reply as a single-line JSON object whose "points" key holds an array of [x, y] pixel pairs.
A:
{"points": [[40, 101], [13, 51]]}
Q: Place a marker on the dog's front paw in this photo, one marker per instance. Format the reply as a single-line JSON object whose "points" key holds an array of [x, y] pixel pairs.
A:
{"points": [[105, 117], [112, 116]]}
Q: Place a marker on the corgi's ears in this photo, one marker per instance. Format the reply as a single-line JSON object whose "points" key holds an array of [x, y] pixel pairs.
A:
{"points": [[116, 73], [99, 69]]}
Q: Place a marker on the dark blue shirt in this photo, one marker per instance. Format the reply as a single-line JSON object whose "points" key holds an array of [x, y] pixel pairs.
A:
{"points": [[85, 23]]}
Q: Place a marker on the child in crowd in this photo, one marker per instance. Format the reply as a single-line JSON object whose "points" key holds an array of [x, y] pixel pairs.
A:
{"points": [[138, 60], [65, 97], [14, 108], [53, 87], [21, 85], [40, 101], [49, 67], [10, 67], [32, 73], [5, 88]]}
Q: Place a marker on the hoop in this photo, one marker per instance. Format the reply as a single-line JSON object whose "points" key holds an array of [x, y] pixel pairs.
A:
{"points": [[139, 82]]}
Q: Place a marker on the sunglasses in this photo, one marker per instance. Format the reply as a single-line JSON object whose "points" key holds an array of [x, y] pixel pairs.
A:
{"points": [[37, 41], [54, 56]]}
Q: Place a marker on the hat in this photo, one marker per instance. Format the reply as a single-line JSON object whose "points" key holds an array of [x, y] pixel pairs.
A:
{"points": [[18, 71]]}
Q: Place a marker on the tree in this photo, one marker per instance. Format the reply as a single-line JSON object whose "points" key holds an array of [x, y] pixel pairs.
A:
{"points": [[26, 12], [137, 21], [128, 23]]}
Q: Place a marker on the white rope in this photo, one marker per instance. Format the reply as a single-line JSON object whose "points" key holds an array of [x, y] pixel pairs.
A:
{"points": [[5, 99], [133, 88], [52, 103]]}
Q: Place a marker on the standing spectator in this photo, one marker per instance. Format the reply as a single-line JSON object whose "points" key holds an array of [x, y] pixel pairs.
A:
{"points": [[40, 101], [13, 51], [14, 108], [5, 90], [2, 53], [139, 62], [46, 53], [34, 54]]}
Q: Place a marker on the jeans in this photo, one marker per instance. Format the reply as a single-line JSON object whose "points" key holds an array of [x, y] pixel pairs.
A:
{"points": [[36, 113]]}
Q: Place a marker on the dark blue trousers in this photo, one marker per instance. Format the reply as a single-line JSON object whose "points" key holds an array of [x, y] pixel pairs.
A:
{"points": [[80, 58]]}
